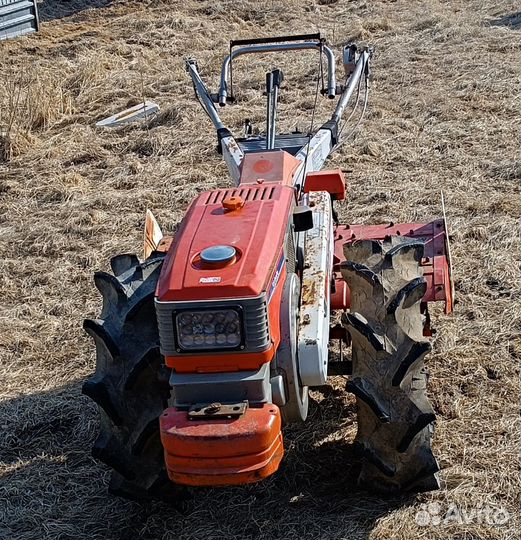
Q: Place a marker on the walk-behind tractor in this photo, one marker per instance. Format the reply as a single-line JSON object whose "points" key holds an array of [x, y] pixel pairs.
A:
{"points": [[208, 346]]}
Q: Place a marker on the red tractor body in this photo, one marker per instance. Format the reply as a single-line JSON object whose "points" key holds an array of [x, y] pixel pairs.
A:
{"points": [[254, 219]]}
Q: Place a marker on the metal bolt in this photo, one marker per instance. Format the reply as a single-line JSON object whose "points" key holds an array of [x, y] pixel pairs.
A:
{"points": [[213, 408]]}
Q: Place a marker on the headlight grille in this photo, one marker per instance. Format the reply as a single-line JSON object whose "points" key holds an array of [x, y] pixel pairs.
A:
{"points": [[209, 329], [253, 315]]}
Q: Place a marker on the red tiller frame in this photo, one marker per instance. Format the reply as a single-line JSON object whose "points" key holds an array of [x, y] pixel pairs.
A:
{"points": [[435, 262]]}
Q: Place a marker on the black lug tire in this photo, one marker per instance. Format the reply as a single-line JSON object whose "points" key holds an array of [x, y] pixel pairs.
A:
{"points": [[395, 418], [131, 382]]}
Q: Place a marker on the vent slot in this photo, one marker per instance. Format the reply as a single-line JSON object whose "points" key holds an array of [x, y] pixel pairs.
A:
{"points": [[264, 193]]}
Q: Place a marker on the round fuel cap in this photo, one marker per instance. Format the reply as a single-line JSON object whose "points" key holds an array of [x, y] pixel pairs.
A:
{"points": [[218, 254]]}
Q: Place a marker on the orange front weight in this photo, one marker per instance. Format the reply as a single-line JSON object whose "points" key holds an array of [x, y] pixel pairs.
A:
{"points": [[222, 451]]}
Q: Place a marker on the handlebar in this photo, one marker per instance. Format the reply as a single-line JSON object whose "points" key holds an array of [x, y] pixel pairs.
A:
{"points": [[267, 46], [274, 39]]}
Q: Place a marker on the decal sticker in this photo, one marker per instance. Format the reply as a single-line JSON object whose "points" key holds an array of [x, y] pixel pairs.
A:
{"points": [[215, 279], [276, 277]]}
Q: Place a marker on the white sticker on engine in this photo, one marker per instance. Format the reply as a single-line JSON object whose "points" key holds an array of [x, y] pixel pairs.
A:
{"points": [[216, 279]]}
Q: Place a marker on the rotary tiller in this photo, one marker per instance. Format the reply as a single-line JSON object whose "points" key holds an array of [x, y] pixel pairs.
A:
{"points": [[207, 347]]}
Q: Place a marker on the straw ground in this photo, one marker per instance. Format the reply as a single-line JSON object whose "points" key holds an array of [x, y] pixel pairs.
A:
{"points": [[444, 115]]}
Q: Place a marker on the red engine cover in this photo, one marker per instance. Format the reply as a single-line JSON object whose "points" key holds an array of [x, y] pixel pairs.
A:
{"points": [[256, 230]]}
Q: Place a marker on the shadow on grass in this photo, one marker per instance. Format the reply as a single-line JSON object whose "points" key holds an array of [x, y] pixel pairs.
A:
{"points": [[50, 478], [50, 10], [512, 21]]}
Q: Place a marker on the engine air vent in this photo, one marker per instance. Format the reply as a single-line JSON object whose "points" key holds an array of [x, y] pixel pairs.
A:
{"points": [[250, 193]]}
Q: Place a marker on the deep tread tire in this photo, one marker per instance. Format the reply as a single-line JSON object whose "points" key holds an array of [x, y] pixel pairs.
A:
{"points": [[130, 384], [395, 418]]}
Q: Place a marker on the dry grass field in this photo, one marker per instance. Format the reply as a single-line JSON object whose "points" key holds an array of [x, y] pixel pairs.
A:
{"points": [[443, 115]]}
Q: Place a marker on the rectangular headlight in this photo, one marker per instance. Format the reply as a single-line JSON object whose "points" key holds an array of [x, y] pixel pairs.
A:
{"points": [[208, 329]]}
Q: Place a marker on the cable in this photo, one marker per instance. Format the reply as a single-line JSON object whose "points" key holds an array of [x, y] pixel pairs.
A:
{"points": [[355, 106], [323, 89], [231, 72], [362, 114], [317, 91], [200, 101]]}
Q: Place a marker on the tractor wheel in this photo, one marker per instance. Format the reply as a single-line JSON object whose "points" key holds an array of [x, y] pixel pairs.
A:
{"points": [[130, 384], [395, 418], [286, 361]]}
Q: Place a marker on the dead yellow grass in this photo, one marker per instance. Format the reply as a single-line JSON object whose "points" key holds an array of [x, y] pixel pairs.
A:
{"points": [[444, 115], [31, 101]]}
